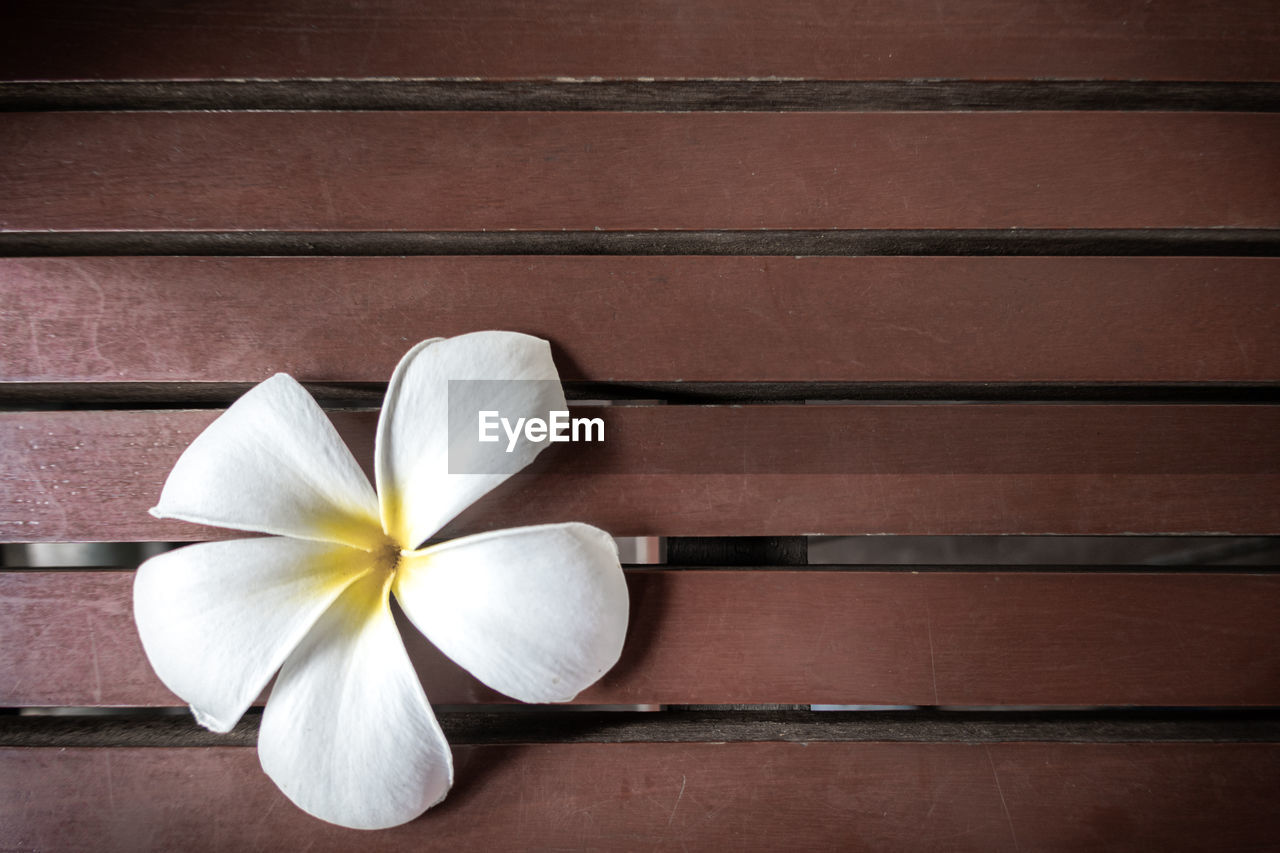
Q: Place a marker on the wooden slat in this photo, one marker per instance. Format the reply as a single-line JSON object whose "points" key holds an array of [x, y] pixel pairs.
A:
{"points": [[712, 38], [763, 796], [477, 171], [793, 637], [756, 470], [629, 319]]}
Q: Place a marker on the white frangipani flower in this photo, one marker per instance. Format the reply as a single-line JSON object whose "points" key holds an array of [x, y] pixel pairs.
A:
{"points": [[537, 613]]}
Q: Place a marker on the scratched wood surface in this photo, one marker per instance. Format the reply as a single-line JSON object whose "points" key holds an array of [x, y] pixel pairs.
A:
{"points": [[794, 637], [775, 319], [770, 470], [497, 39], [458, 171], [756, 796]]}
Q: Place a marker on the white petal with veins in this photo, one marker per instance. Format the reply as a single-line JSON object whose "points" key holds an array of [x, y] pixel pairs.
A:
{"points": [[537, 613], [418, 493], [218, 619], [273, 463], [348, 734]]}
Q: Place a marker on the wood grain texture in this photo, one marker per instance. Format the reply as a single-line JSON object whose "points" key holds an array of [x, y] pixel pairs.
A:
{"points": [[497, 39], [755, 470], [764, 796], [632, 319], [495, 171], [792, 637]]}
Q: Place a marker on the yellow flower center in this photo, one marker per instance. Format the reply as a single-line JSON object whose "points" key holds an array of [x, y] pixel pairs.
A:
{"points": [[386, 558]]}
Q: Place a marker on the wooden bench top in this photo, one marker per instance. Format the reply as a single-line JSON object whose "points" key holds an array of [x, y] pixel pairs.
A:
{"points": [[989, 268]]}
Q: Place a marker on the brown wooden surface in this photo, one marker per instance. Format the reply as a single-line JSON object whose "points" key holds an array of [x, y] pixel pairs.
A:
{"points": [[760, 796], [697, 637], [620, 319], [1000, 39], [477, 171], [723, 471], [803, 637]]}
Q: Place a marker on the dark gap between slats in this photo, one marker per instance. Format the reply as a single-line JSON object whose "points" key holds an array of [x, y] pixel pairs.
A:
{"points": [[1013, 554], [643, 96], [45, 396], [547, 725], [22, 564], [970, 242], [1046, 553], [1003, 569]]}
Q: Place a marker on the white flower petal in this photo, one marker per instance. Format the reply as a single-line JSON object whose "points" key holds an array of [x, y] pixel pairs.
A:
{"points": [[348, 734], [537, 613], [218, 619], [418, 493], [274, 463]]}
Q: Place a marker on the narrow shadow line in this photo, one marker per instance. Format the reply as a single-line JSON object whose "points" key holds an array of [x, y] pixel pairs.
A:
{"points": [[694, 95], [975, 242]]}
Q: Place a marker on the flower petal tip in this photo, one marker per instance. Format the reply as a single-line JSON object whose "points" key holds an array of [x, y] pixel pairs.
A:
{"points": [[210, 722]]}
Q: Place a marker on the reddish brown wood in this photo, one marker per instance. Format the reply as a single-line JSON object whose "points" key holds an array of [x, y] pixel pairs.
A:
{"points": [[1184, 40], [761, 319], [756, 470], [472, 171], [741, 796], [728, 637]]}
